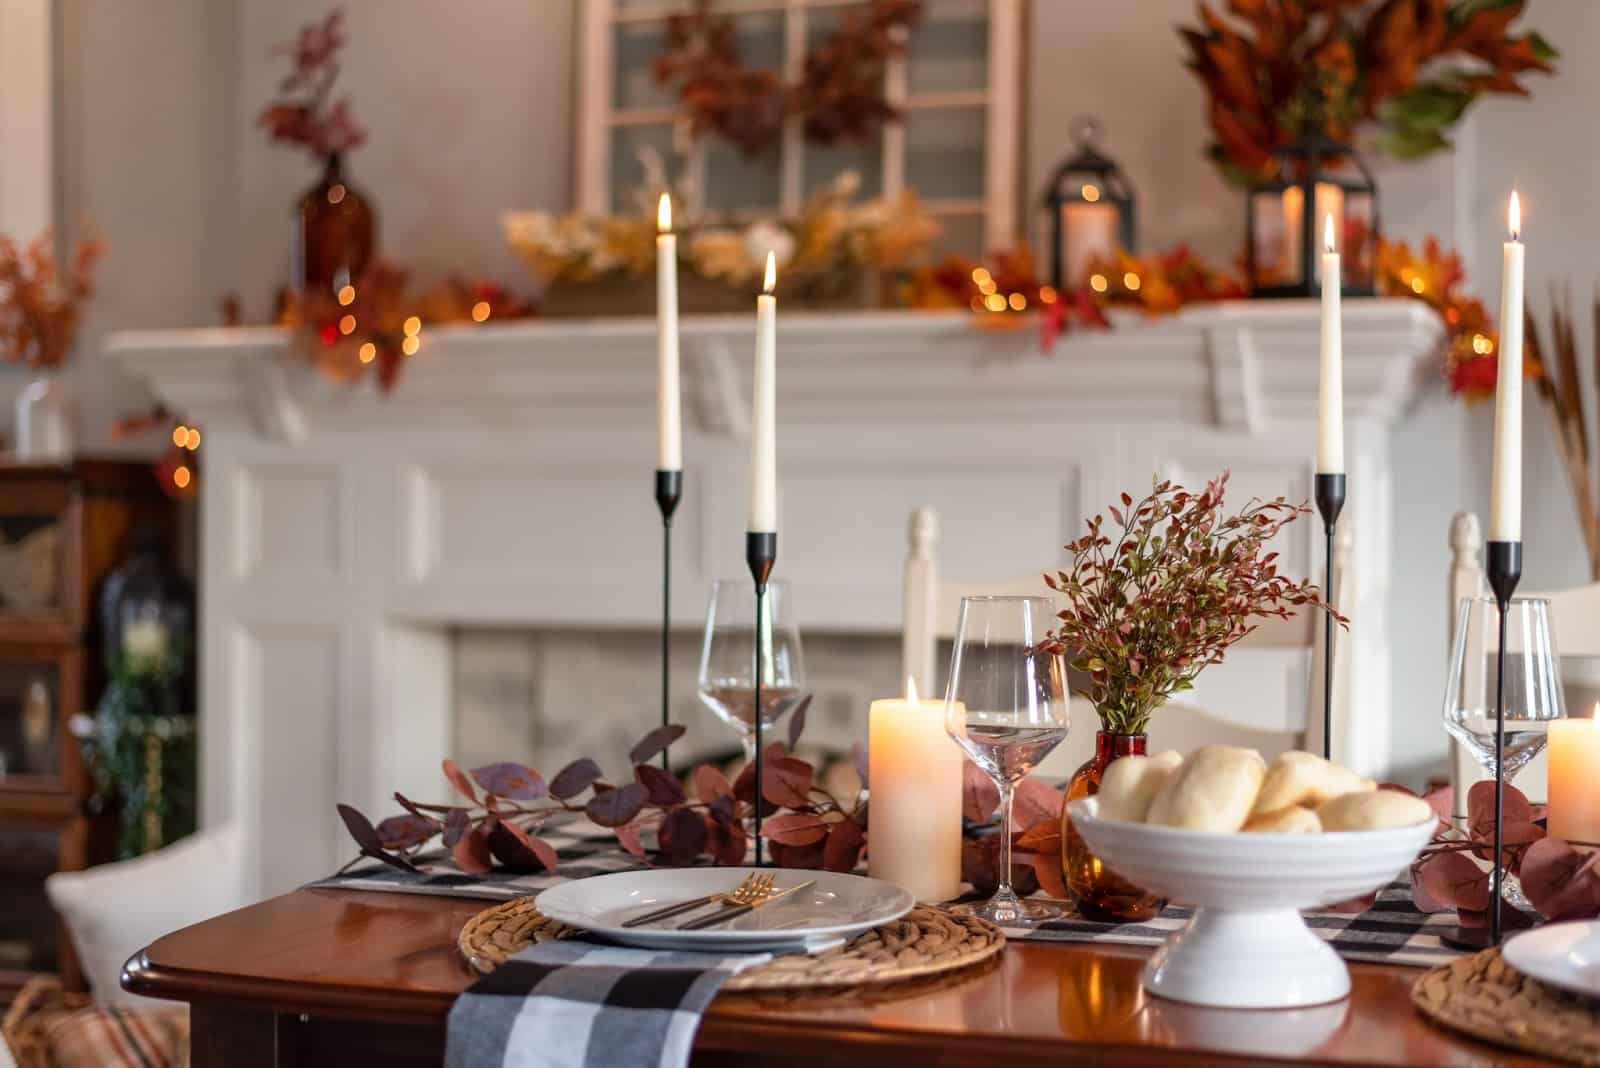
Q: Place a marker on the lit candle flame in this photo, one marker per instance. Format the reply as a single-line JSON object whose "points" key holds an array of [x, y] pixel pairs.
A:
{"points": [[1514, 216], [664, 214], [1327, 234], [911, 691], [771, 280]]}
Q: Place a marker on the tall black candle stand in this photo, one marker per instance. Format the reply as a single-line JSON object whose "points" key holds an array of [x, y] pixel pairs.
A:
{"points": [[1504, 560], [1330, 502], [669, 489], [760, 552]]}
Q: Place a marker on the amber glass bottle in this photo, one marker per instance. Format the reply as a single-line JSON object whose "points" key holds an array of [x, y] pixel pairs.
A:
{"points": [[1101, 894], [335, 232]]}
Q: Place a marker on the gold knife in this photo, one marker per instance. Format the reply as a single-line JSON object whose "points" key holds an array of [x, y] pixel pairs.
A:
{"points": [[734, 911]]}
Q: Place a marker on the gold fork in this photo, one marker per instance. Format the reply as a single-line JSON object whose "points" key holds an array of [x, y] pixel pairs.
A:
{"points": [[753, 890]]}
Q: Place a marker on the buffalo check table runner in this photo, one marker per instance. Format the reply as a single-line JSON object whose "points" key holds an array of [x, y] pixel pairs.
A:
{"points": [[576, 1004], [1392, 931]]}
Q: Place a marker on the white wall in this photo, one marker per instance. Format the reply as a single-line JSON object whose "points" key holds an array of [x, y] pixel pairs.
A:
{"points": [[470, 109]]}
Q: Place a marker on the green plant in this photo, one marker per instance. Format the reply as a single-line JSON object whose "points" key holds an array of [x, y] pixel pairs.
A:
{"points": [[1150, 608]]}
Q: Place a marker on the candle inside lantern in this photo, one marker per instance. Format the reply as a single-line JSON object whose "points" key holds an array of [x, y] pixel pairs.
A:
{"points": [[914, 770], [669, 406], [1505, 501], [1089, 232], [763, 416], [1574, 746], [1330, 393]]}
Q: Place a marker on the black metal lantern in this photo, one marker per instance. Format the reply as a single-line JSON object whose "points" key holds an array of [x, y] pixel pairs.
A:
{"points": [[147, 613], [1312, 178], [1091, 209]]}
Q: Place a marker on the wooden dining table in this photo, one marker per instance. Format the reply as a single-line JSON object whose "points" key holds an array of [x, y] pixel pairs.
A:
{"points": [[324, 977]]}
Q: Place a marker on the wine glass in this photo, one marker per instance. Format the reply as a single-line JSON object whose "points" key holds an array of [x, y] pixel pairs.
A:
{"points": [[728, 658], [1533, 695], [1006, 705]]}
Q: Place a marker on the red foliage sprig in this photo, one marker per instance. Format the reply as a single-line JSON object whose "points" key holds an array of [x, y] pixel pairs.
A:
{"points": [[40, 303], [503, 808], [1561, 880], [302, 114], [1152, 604]]}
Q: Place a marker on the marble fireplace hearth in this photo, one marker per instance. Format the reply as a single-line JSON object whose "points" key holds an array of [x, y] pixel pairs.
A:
{"points": [[469, 565]]}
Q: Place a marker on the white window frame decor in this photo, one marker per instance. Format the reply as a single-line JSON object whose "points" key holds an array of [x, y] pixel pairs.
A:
{"points": [[597, 117]]}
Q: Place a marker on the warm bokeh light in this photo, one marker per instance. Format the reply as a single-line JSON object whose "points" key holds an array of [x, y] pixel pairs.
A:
{"points": [[191, 440], [770, 279], [1482, 345], [977, 304], [1417, 285], [180, 434], [1097, 282], [1327, 233], [981, 276], [1514, 217], [1131, 281], [995, 302], [336, 193], [480, 311], [181, 477], [410, 345], [412, 326], [347, 325], [986, 286], [1091, 193], [369, 352], [1047, 294], [1017, 301], [347, 296]]}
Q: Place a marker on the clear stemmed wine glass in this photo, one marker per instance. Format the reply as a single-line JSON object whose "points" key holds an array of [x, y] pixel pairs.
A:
{"points": [[1006, 705], [1533, 695], [728, 658]]}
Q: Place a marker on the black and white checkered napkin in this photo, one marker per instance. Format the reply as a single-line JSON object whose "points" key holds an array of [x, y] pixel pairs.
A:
{"points": [[1392, 931], [574, 1004]]}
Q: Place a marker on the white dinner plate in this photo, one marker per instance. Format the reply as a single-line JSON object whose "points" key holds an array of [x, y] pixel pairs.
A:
{"points": [[838, 906], [1561, 954]]}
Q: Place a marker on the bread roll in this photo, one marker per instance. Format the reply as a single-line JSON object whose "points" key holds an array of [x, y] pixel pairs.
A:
{"points": [[1298, 778], [1131, 783], [1212, 791], [1373, 810], [1291, 820]]}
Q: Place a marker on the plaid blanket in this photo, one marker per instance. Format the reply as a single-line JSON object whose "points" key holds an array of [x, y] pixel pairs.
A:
{"points": [[581, 1005], [1393, 931]]}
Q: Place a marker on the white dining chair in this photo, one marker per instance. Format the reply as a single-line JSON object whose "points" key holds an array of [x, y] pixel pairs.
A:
{"points": [[933, 604], [1573, 613]]}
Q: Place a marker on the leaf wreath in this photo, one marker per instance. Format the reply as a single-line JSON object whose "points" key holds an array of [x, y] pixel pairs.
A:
{"points": [[840, 95]]}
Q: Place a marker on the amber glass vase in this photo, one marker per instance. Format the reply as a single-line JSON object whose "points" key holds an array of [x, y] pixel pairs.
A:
{"points": [[1101, 894], [335, 232]]}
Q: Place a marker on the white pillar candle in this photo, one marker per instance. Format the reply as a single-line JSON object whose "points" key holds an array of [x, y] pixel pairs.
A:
{"points": [[764, 410], [914, 771], [1330, 390], [1089, 231], [1505, 501], [669, 404], [1575, 779]]}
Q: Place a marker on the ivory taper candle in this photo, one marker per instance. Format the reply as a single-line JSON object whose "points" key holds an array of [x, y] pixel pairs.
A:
{"points": [[669, 403], [914, 770], [1575, 779], [1505, 501], [1330, 388], [764, 411]]}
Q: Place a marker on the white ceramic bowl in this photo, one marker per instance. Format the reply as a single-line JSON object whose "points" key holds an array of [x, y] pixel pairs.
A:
{"points": [[1246, 946]]}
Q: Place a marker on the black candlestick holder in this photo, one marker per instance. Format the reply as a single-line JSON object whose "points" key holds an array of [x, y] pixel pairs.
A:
{"points": [[1329, 492], [669, 490], [1504, 559], [760, 552]]}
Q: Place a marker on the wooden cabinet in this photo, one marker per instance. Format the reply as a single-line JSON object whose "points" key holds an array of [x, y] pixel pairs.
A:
{"points": [[63, 528]]}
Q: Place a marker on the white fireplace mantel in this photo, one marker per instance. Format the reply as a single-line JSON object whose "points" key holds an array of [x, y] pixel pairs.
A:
{"points": [[507, 481]]}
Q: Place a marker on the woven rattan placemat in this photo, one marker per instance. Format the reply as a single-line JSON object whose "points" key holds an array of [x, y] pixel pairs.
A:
{"points": [[926, 941], [1485, 997]]}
